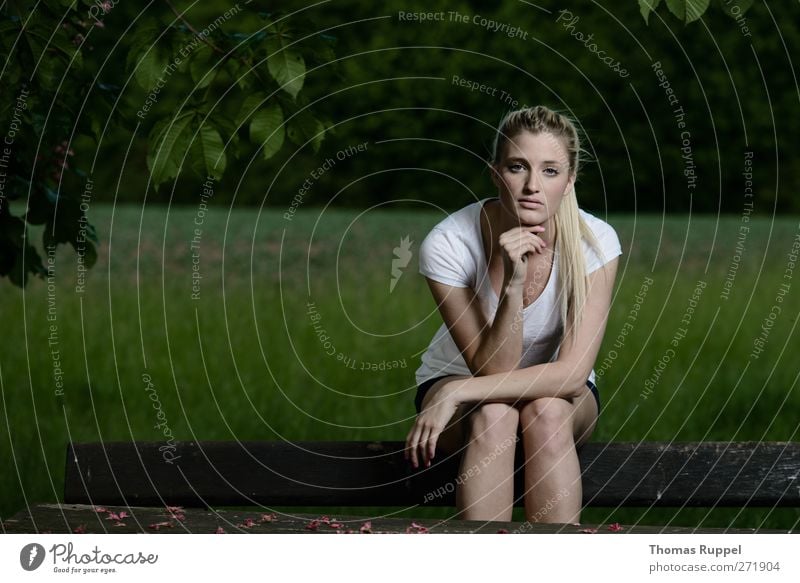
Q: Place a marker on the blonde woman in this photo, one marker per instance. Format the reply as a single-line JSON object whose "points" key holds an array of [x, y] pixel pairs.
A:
{"points": [[523, 283]]}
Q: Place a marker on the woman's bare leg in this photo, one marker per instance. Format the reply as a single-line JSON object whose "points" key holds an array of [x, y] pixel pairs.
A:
{"points": [[485, 486], [552, 428]]}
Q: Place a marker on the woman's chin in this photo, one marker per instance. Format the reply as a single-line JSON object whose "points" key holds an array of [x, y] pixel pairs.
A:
{"points": [[531, 216]]}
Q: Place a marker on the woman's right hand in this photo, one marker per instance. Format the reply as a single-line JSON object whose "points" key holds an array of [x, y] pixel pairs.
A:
{"points": [[517, 244]]}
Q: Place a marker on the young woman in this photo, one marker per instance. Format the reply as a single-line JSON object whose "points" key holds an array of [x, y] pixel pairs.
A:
{"points": [[523, 283]]}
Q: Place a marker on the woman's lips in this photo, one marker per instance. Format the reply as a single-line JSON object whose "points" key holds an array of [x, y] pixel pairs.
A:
{"points": [[530, 204]]}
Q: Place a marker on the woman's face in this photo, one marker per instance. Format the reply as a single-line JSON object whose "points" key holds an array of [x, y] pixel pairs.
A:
{"points": [[532, 177]]}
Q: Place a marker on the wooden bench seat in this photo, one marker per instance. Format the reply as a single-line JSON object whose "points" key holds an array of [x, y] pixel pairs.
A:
{"points": [[203, 476]]}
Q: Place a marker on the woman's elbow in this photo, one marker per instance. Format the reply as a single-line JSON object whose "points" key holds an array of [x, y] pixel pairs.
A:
{"points": [[574, 383]]}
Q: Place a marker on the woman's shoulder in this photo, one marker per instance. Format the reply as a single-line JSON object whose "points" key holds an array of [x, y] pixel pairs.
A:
{"points": [[598, 226], [449, 253], [461, 221], [608, 245]]}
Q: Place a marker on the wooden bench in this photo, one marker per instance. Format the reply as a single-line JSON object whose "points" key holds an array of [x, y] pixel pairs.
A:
{"points": [[103, 480]]}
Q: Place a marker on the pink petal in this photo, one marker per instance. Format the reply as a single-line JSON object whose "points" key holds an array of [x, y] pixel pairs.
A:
{"points": [[113, 516], [80, 529], [119, 524], [313, 525], [502, 531], [100, 509], [268, 517], [588, 530], [220, 530], [615, 527], [248, 522], [157, 525], [336, 525], [174, 508], [366, 528], [417, 528], [124, 514]]}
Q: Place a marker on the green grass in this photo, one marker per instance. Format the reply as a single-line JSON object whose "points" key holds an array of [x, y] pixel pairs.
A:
{"points": [[243, 362]]}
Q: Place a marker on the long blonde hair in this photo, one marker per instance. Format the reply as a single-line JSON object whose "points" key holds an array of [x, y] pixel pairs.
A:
{"points": [[571, 229]]}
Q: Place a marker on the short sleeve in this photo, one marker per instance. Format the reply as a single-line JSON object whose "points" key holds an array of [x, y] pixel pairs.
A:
{"points": [[441, 258], [608, 242]]}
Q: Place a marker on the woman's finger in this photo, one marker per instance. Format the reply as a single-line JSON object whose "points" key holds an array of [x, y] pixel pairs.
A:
{"points": [[422, 446], [412, 445], [432, 440]]}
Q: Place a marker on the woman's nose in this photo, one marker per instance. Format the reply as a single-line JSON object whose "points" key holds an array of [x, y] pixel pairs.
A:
{"points": [[532, 183]]}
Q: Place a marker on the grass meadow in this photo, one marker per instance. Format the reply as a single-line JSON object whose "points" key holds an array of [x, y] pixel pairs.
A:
{"points": [[241, 360]]}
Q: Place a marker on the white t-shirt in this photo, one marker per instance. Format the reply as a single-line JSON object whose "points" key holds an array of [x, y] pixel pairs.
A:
{"points": [[453, 254]]}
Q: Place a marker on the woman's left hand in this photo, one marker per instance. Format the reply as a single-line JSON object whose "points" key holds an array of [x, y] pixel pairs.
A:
{"points": [[429, 424]]}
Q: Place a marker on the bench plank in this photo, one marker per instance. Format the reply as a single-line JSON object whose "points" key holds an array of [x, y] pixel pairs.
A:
{"points": [[54, 518], [362, 473]]}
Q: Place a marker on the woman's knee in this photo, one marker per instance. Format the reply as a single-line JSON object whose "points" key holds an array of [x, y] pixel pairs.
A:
{"points": [[547, 422], [492, 423]]}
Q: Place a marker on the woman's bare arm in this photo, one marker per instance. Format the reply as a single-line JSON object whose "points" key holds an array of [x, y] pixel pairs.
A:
{"points": [[563, 378], [497, 347], [487, 348]]}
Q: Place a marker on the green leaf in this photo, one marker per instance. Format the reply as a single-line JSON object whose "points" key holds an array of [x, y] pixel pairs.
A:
{"points": [[201, 65], [212, 151], [735, 8], [304, 127], [250, 106], [166, 150], [286, 66], [267, 129], [688, 10], [646, 7], [150, 67]]}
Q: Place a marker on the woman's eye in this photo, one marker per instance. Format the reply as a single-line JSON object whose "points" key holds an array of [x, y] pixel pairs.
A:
{"points": [[516, 167], [551, 171]]}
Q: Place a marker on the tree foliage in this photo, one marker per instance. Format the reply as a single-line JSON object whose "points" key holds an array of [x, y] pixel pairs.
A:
{"points": [[245, 91]]}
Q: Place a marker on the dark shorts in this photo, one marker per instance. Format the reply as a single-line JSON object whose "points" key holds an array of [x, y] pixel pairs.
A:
{"points": [[426, 386]]}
